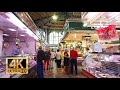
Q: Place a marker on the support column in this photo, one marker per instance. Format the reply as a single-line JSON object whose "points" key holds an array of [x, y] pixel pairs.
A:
{"points": [[1, 42], [47, 34]]}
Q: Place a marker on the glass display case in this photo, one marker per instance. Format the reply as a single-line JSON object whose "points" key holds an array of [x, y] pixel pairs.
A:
{"points": [[102, 65], [31, 68]]}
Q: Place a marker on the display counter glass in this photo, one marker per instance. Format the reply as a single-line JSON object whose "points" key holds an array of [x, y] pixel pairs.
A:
{"points": [[103, 65], [31, 68]]}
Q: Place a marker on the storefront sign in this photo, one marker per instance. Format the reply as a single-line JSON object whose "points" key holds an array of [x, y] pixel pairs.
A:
{"points": [[108, 33], [16, 65]]}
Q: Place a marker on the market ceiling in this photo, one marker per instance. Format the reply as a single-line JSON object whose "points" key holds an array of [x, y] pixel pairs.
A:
{"points": [[44, 20]]}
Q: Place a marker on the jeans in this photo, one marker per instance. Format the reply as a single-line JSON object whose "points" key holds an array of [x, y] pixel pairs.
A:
{"points": [[40, 69], [73, 63]]}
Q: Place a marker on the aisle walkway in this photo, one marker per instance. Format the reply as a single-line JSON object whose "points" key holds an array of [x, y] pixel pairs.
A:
{"points": [[59, 73]]}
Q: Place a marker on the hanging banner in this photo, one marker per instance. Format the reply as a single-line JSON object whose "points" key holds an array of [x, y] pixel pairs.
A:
{"points": [[108, 34]]}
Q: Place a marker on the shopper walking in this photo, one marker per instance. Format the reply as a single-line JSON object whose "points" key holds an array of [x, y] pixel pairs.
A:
{"points": [[58, 58], [73, 56], [52, 58], [66, 61], [47, 59], [40, 59]]}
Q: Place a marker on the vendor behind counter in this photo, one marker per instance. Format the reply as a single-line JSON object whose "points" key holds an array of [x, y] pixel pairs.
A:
{"points": [[16, 50]]}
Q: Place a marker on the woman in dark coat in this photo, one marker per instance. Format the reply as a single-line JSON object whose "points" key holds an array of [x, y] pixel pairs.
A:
{"points": [[66, 61]]}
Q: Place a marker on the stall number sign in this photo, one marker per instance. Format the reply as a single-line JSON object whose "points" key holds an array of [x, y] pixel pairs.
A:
{"points": [[17, 65]]}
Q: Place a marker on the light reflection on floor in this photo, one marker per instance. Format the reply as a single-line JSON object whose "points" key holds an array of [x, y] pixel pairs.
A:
{"points": [[59, 73]]}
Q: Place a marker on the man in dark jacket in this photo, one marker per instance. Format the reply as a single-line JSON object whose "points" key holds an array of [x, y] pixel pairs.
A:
{"points": [[40, 59]]}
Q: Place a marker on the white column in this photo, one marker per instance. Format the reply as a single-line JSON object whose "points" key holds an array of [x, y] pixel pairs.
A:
{"points": [[1, 42]]}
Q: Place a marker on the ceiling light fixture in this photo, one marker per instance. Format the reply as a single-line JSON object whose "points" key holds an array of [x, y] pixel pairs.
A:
{"points": [[22, 35], [12, 29], [84, 24], [13, 19], [54, 17], [5, 34]]}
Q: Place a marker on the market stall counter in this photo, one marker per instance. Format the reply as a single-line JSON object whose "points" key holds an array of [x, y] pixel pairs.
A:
{"points": [[31, 69], [80, 60], [102, 65]]}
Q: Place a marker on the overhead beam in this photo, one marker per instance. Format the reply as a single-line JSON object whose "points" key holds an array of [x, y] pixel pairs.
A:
{"points": [[63, 15], [59, 25], [56, 28], [55, 23], [41, 19], [50, 20], [59, 29]]}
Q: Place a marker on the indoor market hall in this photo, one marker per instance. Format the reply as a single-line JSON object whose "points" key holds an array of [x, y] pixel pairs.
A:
{"points": [[59, 45]]}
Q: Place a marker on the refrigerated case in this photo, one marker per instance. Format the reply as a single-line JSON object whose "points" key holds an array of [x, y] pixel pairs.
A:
{"points": [[102, 65], [31, 68]]}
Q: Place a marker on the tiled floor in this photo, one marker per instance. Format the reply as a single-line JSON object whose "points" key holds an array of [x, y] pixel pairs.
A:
{"points": [[59, 73]]}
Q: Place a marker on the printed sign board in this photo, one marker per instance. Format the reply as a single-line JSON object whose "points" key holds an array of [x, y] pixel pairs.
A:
{"points": [[16, 65]]}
